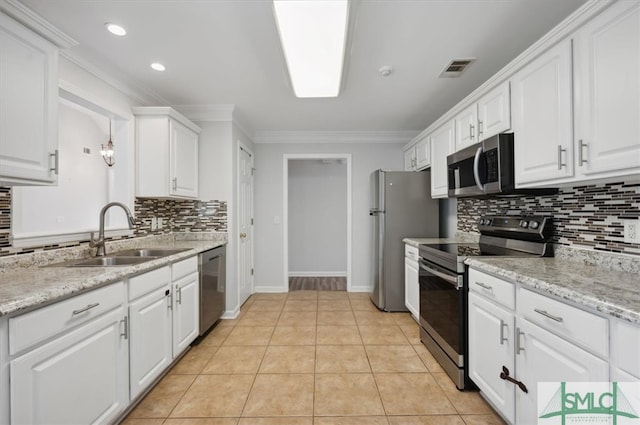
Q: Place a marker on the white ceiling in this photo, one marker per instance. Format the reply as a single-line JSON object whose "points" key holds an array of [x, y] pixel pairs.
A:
{"points": [[228, 52]]}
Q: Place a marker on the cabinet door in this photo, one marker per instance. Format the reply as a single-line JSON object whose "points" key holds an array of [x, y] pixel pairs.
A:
{"points": [[491, 330], [186, 312], [28, 106], [411, 287], [466, 127], [542, 120], [410, 159], [494, 112], [547, 358], [423, 154], [442, 142], [79, 378], [150, 344], [184, 161], [607, 78]]}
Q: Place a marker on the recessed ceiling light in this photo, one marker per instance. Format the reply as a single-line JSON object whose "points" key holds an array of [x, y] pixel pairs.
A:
{"points": [[158, 66], [115, 29], [313, 35]]}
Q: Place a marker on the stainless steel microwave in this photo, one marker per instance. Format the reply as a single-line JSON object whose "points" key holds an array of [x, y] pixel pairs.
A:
{"points": [[486, 168]]}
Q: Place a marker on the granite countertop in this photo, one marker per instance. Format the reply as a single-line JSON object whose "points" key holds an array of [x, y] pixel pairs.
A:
{"points": [[22, 288], [612, 292]]}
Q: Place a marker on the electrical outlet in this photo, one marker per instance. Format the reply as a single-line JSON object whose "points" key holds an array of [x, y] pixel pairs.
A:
{"points": [[632, 231], [159, 222], [154, 223]]}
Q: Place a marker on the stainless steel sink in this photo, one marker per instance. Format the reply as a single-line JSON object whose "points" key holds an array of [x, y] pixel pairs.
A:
{"points": [[148, 252], [110, 261]]}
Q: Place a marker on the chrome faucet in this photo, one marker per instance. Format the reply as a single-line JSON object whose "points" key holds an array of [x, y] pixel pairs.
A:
{"points": [[99, 243]]}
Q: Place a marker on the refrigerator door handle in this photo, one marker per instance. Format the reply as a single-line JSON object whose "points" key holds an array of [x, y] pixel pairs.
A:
{"points": [[375, 211]]}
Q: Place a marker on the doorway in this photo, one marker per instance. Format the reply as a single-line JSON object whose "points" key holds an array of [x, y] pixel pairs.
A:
{"points": [[317, 217], [245, 223]]}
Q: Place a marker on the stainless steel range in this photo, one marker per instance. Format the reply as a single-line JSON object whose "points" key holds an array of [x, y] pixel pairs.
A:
{"points": [[444, 284]]}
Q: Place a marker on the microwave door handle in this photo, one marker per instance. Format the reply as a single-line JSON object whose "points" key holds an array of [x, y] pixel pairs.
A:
{"points": [[476, 169]]}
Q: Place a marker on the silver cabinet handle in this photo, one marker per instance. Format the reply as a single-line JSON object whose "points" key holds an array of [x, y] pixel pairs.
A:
{"points": [[485, 286], [169, 296], [56, 161], [179, 294], [82, 310], [471, 131], [581, 146], [519, 346], [480, 131], [560, 163], [175, 183], [550, 316], [125, 333], [503, 339]]}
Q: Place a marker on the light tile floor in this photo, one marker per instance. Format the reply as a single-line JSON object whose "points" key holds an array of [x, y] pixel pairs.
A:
{"points": [[311, 358]]}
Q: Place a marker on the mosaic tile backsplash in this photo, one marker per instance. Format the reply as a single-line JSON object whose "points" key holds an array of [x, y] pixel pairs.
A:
{"points": [[583, 216], [177, 216]]}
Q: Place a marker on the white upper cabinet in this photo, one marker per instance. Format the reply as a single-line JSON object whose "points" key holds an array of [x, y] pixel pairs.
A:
{"points": [[442, 145], [489, 116], [167, 154], [418, 157], [28, 106], [607, 92], [542, 119]]}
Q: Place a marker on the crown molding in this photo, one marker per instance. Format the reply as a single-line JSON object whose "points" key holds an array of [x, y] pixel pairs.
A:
{"points": [[37, 23], [165, 111], [334, 136], [136, 93], [221, 112], [560, 32]]}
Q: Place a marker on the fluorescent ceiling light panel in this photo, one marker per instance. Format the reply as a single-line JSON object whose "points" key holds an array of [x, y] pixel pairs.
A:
{"points": [[313, 35]]}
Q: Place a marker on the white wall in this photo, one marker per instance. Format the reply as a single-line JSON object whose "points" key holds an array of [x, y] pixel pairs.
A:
{"points": [[269, 273], [317, 217]]}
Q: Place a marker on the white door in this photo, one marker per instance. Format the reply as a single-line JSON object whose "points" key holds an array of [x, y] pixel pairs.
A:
{"points": [[607, 96], [423, 154], [546, 358], [442, 144], [184, 161], [466, 127], [491, 330], [542, 121], [150, 345], [494, 112], [186, 312], [245, 225], [28, 105], [79, 378], [410, 159]]}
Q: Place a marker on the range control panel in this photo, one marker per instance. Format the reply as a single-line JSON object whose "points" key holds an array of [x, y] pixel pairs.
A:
{"points": [[518, 227]]}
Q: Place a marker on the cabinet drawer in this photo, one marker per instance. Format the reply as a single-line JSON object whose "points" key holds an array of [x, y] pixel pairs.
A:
{"points": [[184, 267], [39, 325], [492, 288], [567, 321], [411, 252], [145, 283]]}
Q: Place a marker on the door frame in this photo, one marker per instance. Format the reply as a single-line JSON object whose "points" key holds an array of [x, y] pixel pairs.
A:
{"points": [[285, 209], [241, 147]]}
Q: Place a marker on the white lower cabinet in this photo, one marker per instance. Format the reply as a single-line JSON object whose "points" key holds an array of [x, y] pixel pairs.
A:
{"points": [[544, 357], [186, 312], [80, 377], [506, 343], [150, 321], [490, 349], [412, 281]]}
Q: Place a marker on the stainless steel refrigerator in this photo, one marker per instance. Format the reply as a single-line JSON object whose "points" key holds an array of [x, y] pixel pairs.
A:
{"points": [[401, 207]]}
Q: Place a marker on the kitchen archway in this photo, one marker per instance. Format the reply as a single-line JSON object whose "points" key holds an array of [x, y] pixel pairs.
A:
{"points": [[288, 219]]}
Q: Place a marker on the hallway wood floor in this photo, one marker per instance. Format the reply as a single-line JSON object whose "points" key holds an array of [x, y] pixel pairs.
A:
{"points": [[311, 358], [320, 283]]}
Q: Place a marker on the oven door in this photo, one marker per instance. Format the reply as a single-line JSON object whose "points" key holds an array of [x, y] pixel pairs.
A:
{"points": [[442, 309]]}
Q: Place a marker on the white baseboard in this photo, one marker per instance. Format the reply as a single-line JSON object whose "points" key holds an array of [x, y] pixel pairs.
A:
{"points": [[317, 274], [269, 290], [359, 288], [233, 314]]}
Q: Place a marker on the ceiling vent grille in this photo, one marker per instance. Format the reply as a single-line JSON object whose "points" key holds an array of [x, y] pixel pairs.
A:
{"points": [[456, 67]]}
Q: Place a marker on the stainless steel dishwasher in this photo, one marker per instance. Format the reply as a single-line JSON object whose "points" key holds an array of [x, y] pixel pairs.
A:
{"points": [[212, 266]]}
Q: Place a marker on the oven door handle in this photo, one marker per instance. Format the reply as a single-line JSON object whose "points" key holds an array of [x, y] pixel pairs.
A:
{"points": [[476, 169], [453, 280]]}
